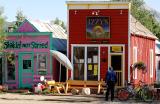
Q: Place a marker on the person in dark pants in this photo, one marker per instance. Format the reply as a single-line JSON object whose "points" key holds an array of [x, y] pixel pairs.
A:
{"points": [[111, 80]]}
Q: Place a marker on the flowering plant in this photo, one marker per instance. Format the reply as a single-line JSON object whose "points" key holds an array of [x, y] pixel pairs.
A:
{"points": [[139, 65]]}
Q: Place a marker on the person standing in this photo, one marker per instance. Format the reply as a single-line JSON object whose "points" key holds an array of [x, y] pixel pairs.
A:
{"points": [[111, 80]]}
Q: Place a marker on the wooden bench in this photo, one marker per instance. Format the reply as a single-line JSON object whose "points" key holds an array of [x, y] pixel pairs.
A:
{"points": [[79, 84]]}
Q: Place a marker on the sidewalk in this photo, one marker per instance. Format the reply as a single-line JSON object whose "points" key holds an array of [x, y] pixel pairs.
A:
{"points": [[16, 98]]}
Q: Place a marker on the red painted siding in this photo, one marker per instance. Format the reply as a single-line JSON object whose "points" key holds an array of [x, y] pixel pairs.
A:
{"points": [[56, 68], [104, 62], [143, 51], [118, 33], [118, 26]]}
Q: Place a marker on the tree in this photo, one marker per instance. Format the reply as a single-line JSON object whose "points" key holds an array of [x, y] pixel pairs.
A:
{"points": [[19, 19], [145, 16], [58, 22], [2, 33]]}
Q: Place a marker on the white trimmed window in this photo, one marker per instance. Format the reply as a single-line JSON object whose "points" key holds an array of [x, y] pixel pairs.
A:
{"points": [[134, 61], [151, 63], [42, 63], [10, 66]]}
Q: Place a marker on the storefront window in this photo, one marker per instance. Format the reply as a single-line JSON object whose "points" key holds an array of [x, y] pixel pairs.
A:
{"points": [[78, 61], [42, 63], [10, 67], [92, 63]]}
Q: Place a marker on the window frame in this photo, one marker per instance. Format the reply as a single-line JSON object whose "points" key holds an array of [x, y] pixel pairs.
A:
{"points": [[135, 56], [37, 63], [14, 55], [151, 63]]}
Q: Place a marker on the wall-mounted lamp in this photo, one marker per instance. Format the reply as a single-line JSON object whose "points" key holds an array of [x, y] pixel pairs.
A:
{"points": [[121, 11], [95, 13], [75, 12]]}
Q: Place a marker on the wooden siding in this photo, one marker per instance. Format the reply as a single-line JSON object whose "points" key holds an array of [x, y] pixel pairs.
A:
{"points": [[118, 26], [104, 62], [143, 54], [118, 32]]}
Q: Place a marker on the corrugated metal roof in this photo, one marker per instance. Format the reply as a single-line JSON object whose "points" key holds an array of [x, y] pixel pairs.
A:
{"points": [[58, 31], [59, 40], [138, 29]]}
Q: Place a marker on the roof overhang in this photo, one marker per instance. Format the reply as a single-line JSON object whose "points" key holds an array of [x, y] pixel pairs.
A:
{"points": [[97, 5]]}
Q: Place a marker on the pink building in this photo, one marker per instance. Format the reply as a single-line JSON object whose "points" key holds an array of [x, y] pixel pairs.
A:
{"points": [[27, 56]]}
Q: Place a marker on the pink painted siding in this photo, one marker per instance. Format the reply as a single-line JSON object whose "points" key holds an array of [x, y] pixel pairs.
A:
{"points": [[26, 27], [143, 51], [13, 86], [28, 39], [37, 78]]}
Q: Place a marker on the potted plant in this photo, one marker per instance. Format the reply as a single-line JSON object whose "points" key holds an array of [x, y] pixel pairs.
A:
{"points": [[140, 66], [156, 84]]}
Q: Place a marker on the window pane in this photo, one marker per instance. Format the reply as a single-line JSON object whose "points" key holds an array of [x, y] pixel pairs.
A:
{"points": [[27, 64], [42, 62], [78, 61], [92, 63], [10, 67]]}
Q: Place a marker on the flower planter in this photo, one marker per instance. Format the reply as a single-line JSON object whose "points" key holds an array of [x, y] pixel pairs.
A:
{"points": [[157, 85]]}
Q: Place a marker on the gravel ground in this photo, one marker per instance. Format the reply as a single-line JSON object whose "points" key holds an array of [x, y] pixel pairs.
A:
{"points": [[14, 98]]}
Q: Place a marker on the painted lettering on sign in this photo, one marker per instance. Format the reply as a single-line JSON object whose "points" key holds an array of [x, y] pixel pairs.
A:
{"points": [[19, 44]]}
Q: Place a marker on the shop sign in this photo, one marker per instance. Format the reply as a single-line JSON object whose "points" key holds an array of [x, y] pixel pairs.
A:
{"points": [[116, 49], [19, 44]]}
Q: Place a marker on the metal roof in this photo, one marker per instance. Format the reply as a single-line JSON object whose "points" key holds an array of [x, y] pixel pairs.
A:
{"points": [[138, 29], [59, 37], [58, 31]]}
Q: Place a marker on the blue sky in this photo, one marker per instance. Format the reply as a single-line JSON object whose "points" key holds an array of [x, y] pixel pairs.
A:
{"points": [[46, 9]]}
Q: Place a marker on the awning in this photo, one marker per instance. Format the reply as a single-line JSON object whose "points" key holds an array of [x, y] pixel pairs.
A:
{"points": [[63, 59]]}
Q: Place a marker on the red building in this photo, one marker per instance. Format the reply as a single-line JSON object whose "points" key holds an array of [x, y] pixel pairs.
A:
{"points": [[102, 34]]}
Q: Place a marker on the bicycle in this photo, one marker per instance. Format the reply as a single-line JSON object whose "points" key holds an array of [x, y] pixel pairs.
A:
{"points": [[125, 93], [140, 92]]}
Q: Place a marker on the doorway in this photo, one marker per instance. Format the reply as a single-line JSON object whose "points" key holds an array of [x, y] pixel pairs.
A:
{"points": [[25, 70], [117, 64]]}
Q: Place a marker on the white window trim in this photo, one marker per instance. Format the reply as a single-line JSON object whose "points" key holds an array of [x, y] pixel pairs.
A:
{"points": [[135, 60], [151, 63], [99, 45]]}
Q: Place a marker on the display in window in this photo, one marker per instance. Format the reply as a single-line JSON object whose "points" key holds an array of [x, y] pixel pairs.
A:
{"points": [[95, 59], [95, 70], [89, 60], [10, 66], [42, 60], [89, 67], [81, 60]]}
